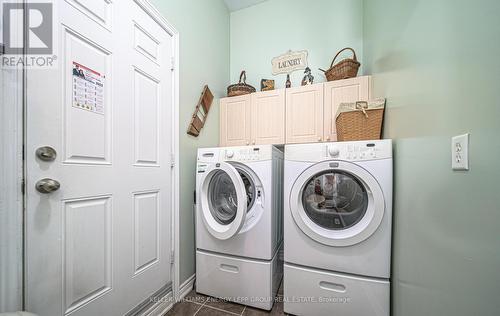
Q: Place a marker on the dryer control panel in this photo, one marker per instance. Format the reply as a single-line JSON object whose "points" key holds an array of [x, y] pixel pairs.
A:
{"points": [[349, 151], [354, 152]]}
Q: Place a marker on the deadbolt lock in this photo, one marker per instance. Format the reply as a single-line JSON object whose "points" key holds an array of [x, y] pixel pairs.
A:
{"points": [[46, 153]]}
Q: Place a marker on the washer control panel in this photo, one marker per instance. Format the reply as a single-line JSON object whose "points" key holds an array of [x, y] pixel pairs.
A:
{"points": [[243, 154]]}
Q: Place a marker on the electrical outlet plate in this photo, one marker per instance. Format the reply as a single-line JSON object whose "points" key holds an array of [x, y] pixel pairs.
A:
{"points": [[460, 152]]}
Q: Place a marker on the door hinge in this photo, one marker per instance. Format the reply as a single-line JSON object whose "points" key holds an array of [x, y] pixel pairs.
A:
{"points": [[172, 161], [23, 184], [172, 257], [172, 63]]}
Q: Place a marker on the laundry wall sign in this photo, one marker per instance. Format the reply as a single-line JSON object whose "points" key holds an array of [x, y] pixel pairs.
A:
{"points": [[289, 62]]}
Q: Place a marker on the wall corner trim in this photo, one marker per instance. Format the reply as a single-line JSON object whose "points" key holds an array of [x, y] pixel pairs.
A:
{"points": [[186, 287]]}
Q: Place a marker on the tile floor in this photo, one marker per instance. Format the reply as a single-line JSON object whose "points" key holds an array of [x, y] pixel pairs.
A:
{"points": [[202, 305]]}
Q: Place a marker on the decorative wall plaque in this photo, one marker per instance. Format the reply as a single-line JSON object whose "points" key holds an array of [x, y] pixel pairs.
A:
{"points": [[290, 62], [200, 112]]}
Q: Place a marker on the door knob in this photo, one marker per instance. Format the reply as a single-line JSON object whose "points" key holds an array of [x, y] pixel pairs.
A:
{"points": [[47, 185], [46, 153]]}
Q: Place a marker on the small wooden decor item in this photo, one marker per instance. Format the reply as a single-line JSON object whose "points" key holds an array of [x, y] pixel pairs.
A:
{"points": [[266, 85], [241, 87], [346, 68], [308, 77], [288, 83], [201, 112]]}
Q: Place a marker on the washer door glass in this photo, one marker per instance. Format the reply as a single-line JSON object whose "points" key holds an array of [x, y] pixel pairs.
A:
{"points": [[334, 199], [222, 198], [249, 188]]}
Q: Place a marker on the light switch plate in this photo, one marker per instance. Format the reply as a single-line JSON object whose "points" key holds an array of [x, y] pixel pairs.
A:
{"points": [[460, 152]]}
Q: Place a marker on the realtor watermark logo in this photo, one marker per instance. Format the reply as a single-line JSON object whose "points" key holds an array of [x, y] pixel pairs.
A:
{"points": [[28, 34]]}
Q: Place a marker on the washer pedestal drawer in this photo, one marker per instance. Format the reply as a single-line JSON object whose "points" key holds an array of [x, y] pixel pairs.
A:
{"points": [[315, 292], [245, 281]]}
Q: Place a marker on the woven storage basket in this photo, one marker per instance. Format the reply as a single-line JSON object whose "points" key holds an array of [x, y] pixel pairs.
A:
{"points": [[360, 120], [240, 88], [346, 68]]}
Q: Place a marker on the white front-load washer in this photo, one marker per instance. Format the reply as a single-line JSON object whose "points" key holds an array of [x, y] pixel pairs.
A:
{"points": [[239, 228], [337, 224]]}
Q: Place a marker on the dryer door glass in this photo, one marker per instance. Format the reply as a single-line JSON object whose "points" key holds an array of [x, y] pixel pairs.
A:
{"points": [[334, 199], [222, 198]]}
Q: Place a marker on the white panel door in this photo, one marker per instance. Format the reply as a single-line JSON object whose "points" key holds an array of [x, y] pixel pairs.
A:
{"points": [[304, 114], [340, 91], [100, 245], [235, 123], [268, 117]]}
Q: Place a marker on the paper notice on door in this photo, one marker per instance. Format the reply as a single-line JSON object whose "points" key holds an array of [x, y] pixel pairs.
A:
{"points": [[88, 89]]}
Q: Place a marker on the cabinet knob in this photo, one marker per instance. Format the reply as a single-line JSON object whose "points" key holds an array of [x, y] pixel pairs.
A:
{"points": [[253, 142], [319, 139], [328, 138], [248, 143]]}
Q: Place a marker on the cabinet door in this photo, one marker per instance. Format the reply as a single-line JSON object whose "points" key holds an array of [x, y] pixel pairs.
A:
{"points": [[268, 117], [336, 92], [235, 121], [304, 114]]}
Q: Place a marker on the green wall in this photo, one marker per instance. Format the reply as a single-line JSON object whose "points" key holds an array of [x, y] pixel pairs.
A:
{"points": [[437, 63], [204, 59], [271, 28]]}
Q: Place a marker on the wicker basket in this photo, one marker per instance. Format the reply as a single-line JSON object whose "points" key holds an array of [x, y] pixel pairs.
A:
{"points": [[360, 121], [240, 88], [346, 68]]}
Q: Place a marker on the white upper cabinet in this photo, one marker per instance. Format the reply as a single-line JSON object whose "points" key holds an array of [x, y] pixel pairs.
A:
{"points": [[268, 117], [286, 116], [235, 121], [340, 91], [304, 114]]}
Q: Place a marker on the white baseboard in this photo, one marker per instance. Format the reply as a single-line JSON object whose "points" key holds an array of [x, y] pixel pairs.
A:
{"points": [[165, 303], [186, 286], [162, 306]]}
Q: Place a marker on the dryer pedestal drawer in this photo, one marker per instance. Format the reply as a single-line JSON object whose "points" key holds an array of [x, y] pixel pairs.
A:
{"points": [[316, 292], [245, 281]]}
